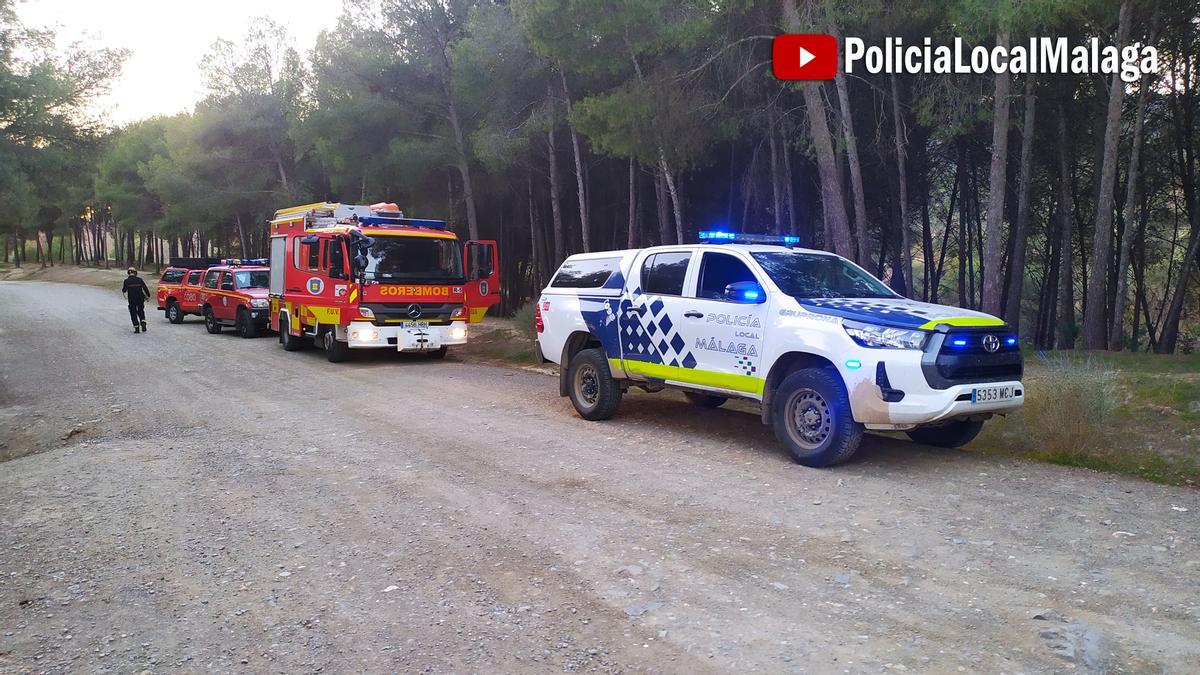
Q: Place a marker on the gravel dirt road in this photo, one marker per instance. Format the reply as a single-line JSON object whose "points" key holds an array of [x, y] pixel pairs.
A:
{"points": [[207, 503]]}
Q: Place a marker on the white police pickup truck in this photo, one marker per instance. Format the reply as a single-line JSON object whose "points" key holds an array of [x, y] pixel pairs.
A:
{"points": [[826, 348]]}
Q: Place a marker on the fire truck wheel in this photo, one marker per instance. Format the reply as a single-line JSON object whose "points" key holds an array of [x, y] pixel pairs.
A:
{"points": [[210, 321], [593, 390], [438, 354], [245, 327], [335, 350], [174, 313], [290, 342]]}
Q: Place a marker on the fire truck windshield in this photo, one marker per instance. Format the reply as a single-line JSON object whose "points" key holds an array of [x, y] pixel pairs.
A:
{"points": [[251, 278], [414, 258]]}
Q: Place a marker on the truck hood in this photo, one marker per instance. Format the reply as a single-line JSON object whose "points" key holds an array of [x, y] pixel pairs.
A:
{"points": [[255, 292], [897, 312]]}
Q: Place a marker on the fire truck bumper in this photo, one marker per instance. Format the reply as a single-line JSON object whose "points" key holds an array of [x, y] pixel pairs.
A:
{"points": [[403, 339]]}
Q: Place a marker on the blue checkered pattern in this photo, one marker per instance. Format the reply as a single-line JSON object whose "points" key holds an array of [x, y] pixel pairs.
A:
{"points": [[901, 313], [651, 336]]}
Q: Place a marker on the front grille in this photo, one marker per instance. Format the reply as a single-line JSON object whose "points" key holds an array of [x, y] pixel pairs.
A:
{"points": [[436, 313], [959, 357]]}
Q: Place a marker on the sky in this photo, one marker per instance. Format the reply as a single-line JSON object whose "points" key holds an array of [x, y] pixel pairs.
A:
{"points": [[166, 40]]}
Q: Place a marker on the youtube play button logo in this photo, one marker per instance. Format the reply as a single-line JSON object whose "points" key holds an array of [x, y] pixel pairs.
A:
{"points": [[805, 57]]}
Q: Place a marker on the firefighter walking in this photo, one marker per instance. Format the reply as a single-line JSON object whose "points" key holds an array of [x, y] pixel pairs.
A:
{"points": [[136, 292]]}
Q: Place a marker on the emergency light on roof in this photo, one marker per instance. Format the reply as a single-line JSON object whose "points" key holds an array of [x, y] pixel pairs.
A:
{"points": [[722, 237], [243, 262], [408, 222]]}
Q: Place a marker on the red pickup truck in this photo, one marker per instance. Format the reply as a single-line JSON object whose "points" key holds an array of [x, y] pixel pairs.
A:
{"points": [[235, 294], [179, 287]]}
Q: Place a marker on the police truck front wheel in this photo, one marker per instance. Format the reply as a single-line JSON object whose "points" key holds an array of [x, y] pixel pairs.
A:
{"points": [[593, 390], [952, 435], [245, 326], [335, 350], [174, 313], [812, 418], [210, 321]]}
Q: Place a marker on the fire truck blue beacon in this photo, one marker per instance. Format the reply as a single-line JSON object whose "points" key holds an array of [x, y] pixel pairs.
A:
{"points": [[827, 349]]}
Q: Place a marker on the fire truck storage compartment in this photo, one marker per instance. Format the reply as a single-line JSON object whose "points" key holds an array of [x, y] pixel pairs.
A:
{"points": [[278, 246]]}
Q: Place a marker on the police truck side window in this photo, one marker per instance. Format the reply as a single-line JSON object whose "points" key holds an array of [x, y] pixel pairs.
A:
{"points": [[718, 270], [585, 273], [663, 273]]}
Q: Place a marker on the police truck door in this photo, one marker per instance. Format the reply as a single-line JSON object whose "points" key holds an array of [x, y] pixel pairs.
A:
{"points": [[723, 320]]}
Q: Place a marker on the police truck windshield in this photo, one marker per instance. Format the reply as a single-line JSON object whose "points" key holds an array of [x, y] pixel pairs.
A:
{"points": [[812, 275], [414, 258], [251, 278]]}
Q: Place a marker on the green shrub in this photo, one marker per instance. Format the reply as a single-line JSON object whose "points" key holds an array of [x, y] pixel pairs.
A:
{"points": [[1069, 404], [523, 320]]}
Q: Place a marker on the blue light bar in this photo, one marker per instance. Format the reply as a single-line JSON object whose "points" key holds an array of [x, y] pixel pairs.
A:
{"points": [[959, 343], [1010, 341], [410, 222], [723, 237], [236, 262]]}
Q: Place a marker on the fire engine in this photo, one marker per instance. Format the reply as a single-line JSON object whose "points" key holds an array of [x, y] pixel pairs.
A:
{"points": [[234, 293], [179, 287], [352, 276]]}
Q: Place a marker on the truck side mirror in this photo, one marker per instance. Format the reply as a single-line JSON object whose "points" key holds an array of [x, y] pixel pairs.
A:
{"points": [[745, 292]]}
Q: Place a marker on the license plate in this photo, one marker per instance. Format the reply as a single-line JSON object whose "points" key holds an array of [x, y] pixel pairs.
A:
{"points": [[993, 394], [418, 325]]}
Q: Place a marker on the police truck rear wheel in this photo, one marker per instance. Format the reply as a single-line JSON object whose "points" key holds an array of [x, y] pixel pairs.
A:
{"points": [[812, 418], [245, 327], [174, 313], [593, 390], [335, 350], [705, 400], [952, 435], [210, 321]]}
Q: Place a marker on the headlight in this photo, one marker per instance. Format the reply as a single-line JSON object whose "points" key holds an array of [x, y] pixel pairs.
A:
{"points": [[882, 337], [260, 303], [366, 313], [458, 332]]}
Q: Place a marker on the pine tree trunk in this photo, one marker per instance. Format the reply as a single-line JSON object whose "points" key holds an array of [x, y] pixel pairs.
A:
{"points": [[585, 229], [676, 203], [1095, 329], [902, 172], [1066, 276], [1116, 332], [631, 237], [833, 204], [776, 196], [560, 247], [1020, 233], [989, 267], [856, 180], [664, 222]]}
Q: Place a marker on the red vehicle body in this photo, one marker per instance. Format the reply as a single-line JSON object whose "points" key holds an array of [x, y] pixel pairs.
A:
{"points": [[179, 287], [353, 277], [235, 294]]}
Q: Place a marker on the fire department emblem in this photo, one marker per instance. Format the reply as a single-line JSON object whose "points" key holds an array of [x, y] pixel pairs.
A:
{"points": [[483, 287], [316, 285]]}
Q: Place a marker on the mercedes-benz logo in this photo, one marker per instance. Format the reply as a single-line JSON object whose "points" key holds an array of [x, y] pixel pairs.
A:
{"points": [[990, 343], [414, 311]]}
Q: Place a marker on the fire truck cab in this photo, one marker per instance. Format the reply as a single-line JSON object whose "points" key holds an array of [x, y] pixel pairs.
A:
{"points": [[348, 276]]}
